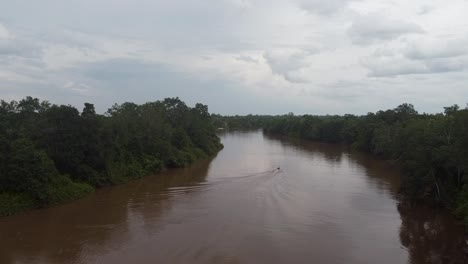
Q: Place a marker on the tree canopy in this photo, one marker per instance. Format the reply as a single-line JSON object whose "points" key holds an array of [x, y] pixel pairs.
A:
{"points": [[50, 153]]}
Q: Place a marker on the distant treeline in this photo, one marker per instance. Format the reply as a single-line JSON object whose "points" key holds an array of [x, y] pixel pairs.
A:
{"points": [[248, 122], [53, 153], [432, 148]]}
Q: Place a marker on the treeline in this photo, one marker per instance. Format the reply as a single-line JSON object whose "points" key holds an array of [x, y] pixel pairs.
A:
{"points": [[432, 148], [237, 122], [52, 153]]}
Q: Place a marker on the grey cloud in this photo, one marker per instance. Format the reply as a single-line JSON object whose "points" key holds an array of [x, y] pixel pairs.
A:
{"points": [[294, 77], [122, 70], [441, 65], [4, 33], [172, 24], [439, 48], [144, 81], [371, 28], [207, 58], [425, 9], [43, 48], [347, 90], [50, 92], [20, 48], [342, 91], [80, 88], [395, 70], [287, 62], [398, 65], [135, 80], [121, 80], [324, 7], [20, 58], [247, 59], [420, 56]]}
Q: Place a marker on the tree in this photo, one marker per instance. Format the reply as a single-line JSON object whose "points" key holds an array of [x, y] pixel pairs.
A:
{"points": [[88, 110], [450, 110], [28, 170]]}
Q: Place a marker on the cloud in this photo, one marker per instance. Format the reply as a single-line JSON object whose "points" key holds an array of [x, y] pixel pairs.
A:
{"points": [[442, 65], [425, 9], [148, 81], [369, 29], [11, 45], [4, 33], [238, 56], [11, 76], [240, 3], [391, 66], [340, 91], [324, 7], [247, 59], [286, 62], [19, 47], [422, 55], [440, 47], [79, 88]]}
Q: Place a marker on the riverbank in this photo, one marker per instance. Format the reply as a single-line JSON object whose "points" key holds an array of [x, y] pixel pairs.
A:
{"points": [[328, 203], [66, 191], [13, 203], [431, 148], [458, 207], [50, 154], [458, 204]]}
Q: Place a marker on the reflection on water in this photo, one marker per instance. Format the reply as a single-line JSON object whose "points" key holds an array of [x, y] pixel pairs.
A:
{"points": [[429, 236], [102, 222], [325, 205]]}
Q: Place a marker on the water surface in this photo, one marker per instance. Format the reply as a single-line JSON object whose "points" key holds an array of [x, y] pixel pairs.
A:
{"points": [[325, 205]]}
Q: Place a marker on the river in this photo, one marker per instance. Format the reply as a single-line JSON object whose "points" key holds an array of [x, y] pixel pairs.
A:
{"points": [[325, 204]]}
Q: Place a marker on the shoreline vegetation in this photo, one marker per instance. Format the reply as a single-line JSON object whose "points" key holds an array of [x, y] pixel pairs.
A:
{"points": [[51, 154], [431, 148]]}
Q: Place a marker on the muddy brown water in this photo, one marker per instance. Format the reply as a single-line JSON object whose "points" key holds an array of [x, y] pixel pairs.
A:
{"points": [[325, 205]]}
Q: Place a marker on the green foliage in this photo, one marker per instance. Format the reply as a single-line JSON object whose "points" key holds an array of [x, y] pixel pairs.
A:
{"points": [[152, 164], [63, 189], [240, 122], [53, 153], [27, 170], [12, 203]]}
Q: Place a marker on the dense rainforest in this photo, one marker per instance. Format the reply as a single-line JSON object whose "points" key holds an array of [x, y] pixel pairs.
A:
{"points": [[431, 148], [53, 153]]}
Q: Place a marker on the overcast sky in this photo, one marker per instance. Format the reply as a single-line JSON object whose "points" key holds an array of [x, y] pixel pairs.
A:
{"points": [[238, 56]]}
